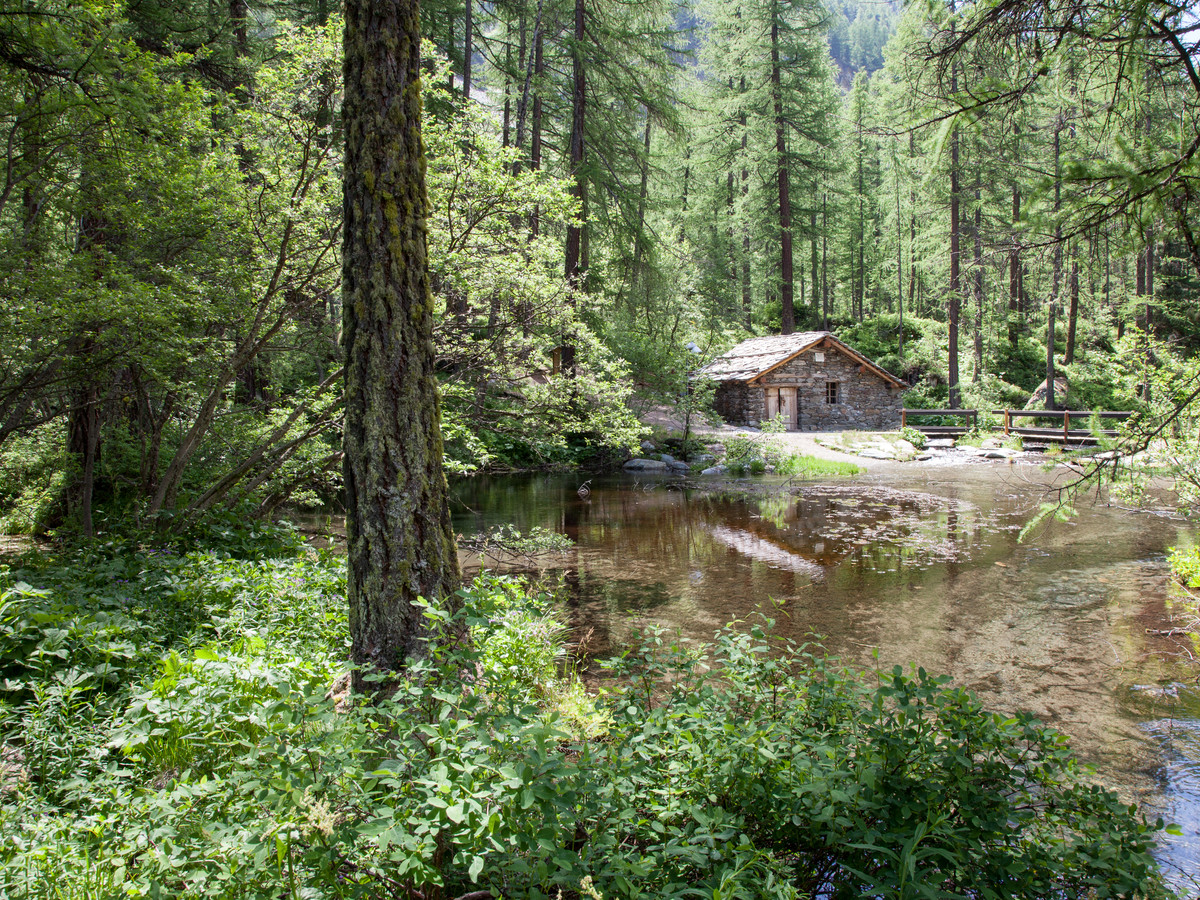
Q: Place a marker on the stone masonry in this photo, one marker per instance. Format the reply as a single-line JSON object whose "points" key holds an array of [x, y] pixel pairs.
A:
{"points": [[864, 400]]}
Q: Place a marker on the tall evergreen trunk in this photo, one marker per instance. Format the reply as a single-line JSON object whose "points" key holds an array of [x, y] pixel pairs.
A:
{"points": [[578, 101], [1056, 278], [1149, 279], [399, 543], [1073, 312], [1148, 293], [825, 260], [683, 198], [525, 66], [785, 203], [977, 273], [955, 227], [912, 231], [535, 137], [955, 299], [576, 255], [506, 116], [1050, 373], [1014, 269], [815, 264], [899, 261], [468, 47], [729, 229], [639, 244], [746, 298], [862, 237]]}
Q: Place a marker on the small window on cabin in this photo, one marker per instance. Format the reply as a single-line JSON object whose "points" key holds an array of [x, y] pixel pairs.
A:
{"points": [[831, 392]]}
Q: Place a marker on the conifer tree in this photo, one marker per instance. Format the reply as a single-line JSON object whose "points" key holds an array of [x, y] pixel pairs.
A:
{"points": [[400, 546]]}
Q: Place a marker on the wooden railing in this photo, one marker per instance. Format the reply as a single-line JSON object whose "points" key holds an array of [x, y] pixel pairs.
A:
{"points": [[1065, 434], [970, 415]]}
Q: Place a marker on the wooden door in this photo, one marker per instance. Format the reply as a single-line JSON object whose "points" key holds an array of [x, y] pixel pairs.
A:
{"points": [[772, 402], [789, 408]]}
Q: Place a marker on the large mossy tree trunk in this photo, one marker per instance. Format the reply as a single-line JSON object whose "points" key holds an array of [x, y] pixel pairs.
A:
{"points": [[399, 540]]}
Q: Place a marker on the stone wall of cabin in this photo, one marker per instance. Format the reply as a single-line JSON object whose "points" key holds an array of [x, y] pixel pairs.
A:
{"points": [[865, 402], [737, 403]]}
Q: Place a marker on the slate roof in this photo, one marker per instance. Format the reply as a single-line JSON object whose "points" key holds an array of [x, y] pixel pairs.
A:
{"points": [[757, 356]]}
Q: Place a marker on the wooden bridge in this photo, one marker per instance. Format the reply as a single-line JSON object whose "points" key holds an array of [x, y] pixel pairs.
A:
{"points": [[1063, 434]]}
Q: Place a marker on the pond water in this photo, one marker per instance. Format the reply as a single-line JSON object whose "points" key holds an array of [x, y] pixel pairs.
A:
{"points": [[916, 564]]}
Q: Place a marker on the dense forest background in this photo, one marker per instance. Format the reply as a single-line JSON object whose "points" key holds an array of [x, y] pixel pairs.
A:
{"points": [[976, 196]]}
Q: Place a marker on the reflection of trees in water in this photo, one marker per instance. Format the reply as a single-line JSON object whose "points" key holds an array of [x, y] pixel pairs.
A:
{"points": [[880, 528], [876, 528], [641, 548]]}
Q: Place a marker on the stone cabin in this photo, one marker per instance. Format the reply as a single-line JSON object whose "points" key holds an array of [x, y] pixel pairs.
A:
{"points": [[816, 382]]}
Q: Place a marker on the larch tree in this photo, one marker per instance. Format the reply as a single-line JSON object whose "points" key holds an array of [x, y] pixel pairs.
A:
{"points": [[400, 545], [769, 88]]}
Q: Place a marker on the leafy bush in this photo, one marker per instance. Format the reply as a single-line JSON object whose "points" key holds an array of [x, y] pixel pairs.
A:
{"points": [[520, 643], [215, 767], [914, 437], [1185, 563]]}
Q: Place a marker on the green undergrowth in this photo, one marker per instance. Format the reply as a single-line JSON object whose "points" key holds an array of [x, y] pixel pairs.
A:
{"points": [[754, 455], [1185, 563], [167, 734]]}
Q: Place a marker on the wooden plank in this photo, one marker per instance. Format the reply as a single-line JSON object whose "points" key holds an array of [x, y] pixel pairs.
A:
{"points": [[1064, 413], [1056, 436], [947, 430], [940, 412]]}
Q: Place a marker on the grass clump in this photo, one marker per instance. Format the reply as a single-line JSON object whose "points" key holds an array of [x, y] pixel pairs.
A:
{"points": [[803, 466]]}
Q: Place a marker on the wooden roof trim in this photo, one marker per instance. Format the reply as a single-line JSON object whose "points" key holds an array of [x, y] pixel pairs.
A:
{"points": [[829, 342]]}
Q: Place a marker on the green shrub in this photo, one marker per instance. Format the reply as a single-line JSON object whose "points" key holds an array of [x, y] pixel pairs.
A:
{"points": [[1185, 563], [520, 643], [741, 449], [914, 437], [215, 767]]}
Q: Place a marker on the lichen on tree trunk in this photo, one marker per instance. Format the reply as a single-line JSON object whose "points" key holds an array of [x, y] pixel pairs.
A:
{"points": [[400, 545]]}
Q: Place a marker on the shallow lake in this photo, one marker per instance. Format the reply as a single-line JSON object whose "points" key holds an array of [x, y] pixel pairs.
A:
{"points": [[914, 564]]}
